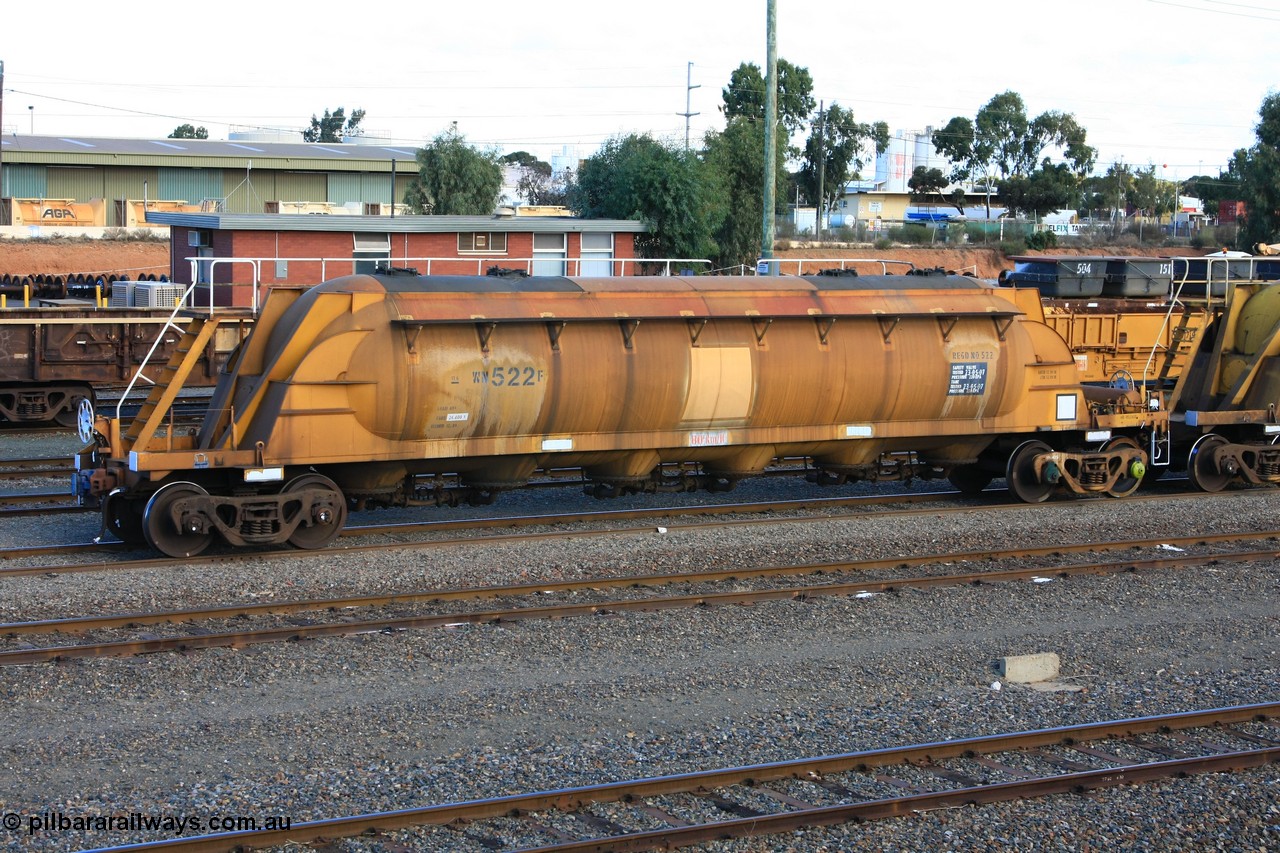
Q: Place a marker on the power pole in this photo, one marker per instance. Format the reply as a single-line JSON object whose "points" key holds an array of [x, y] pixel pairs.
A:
{"points": [[820, 207], [770, 131], [1, 126], [688, 91]]}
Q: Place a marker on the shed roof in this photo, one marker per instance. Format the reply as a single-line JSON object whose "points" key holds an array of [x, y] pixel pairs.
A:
{"points": [[395, 225], [207, 152]]}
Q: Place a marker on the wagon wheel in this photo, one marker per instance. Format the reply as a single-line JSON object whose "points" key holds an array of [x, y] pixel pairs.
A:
{"points": [[1202, 468], [1020, 475], [85, 420], [1122, 379], [162, 532], [325, 519], [970, 479], [123, 517], [70, 416], [1131, 479]]}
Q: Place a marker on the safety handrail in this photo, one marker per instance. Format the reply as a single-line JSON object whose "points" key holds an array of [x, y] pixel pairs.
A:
{"points": [[146, 359], [766, 263], [254, 263], [1175, 297], [571, 266]]}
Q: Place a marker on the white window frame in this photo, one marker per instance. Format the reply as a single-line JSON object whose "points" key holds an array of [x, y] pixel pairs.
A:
{"points": [[367, 250], [597, 261], [495, 242], [546, 259]]}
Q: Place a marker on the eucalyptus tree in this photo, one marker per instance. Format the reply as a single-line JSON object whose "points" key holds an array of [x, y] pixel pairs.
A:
{"points": [[1257, 171], [835, 152], [1001, 142], [333, 126], [668, 188], [455, 178]]}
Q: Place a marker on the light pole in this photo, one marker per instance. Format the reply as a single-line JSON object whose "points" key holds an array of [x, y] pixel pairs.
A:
{"points": [[32, 110]]}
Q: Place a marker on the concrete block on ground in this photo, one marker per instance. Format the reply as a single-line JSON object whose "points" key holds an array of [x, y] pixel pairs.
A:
{"points": [[1025, 669]]}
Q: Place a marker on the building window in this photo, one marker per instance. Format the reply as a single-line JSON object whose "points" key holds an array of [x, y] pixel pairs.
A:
{"points": [[369, 251], [548, 254], [493, 242], [597, 254]]}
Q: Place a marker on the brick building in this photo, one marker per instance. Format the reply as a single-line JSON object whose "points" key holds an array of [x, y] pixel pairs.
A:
{"points": [[235, 251]]}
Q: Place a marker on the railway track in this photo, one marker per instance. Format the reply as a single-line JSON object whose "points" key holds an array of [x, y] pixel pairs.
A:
{"points": [[673, 811], [431, 527], [780, 512], [585, 597], [40, 466]]}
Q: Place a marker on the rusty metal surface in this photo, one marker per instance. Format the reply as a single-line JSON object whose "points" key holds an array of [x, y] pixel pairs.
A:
{"points": [[1111, 335], [727, 372], [75, 348]]}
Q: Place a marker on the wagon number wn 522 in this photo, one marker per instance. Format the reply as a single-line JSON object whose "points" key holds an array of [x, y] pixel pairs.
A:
{"points": [[509, 377]]}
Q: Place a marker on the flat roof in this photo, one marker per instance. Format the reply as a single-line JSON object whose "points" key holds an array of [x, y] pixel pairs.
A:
{"points": [[15, 143], [390, 224]]}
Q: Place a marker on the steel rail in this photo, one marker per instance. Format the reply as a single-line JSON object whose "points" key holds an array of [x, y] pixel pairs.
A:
{"points": [[549, 519], [33, 467], [520, 521], [238, 639], [88, 623], [816, 769]]}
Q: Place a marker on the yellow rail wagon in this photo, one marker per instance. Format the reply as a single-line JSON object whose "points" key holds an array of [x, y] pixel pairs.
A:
{"points": [[351, 389]]}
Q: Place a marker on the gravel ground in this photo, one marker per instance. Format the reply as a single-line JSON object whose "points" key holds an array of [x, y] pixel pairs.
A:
{"points": [[350, 724]]}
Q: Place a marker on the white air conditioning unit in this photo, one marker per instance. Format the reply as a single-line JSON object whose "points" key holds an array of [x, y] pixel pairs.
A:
{"points": [[122, 294], [155, 294], [197, 239]]}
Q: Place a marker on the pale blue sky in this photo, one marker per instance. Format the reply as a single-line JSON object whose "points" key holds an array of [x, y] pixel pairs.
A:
{"points": [[1175, 82]]}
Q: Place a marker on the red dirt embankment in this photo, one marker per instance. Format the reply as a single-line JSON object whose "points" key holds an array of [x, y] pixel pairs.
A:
{"points": [[135, 258], [23, 257]]}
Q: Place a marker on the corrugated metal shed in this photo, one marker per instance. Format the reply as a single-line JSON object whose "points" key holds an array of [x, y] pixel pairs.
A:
{"points": [[206, 153], [80, 183], [191, 185], [245, 174]]}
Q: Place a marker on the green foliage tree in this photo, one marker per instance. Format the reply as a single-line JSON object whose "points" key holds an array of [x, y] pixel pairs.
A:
{"points": [[734, 156], [834, 147], [187, 131], [664, 186], [1108, 194], [1150, 194], [333, 126], [1210, 189], [537, 184], [525, 159], [1257, 170], [927, 185], [455, 179], [1002, 142], [1051, 187], [744, 96]]}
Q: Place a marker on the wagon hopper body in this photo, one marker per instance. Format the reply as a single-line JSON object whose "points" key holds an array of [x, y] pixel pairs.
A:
{"points": [[345, 390], [1133, 340], [1224, 421]]}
